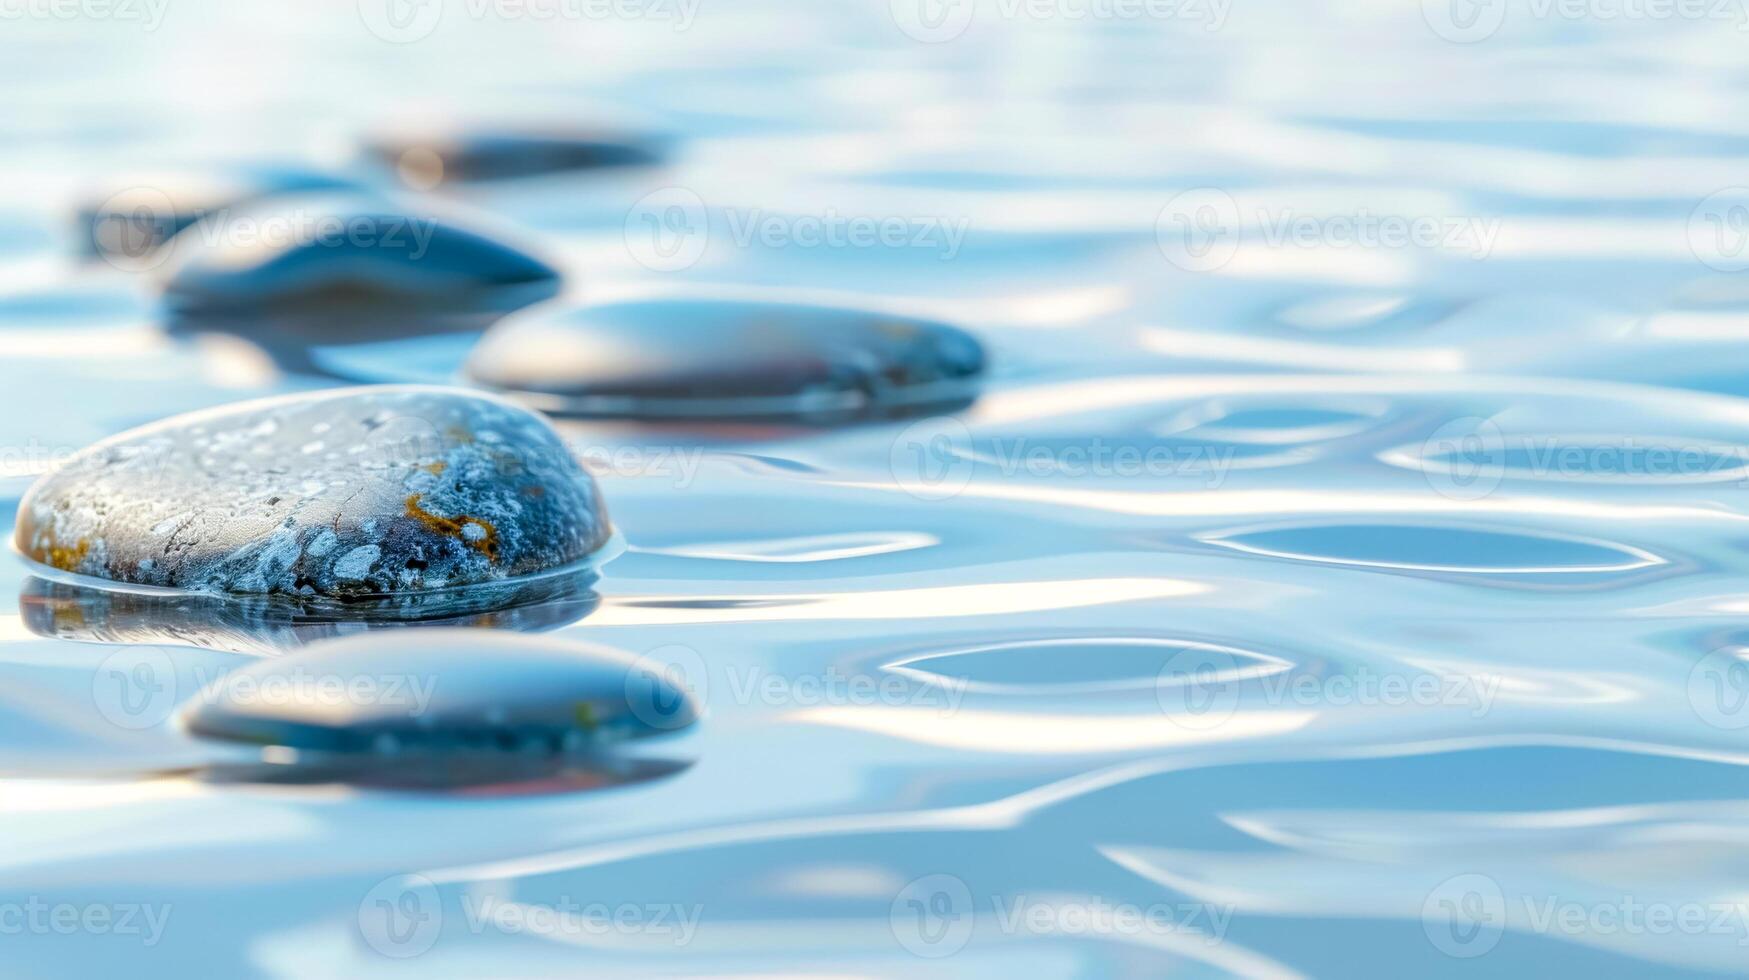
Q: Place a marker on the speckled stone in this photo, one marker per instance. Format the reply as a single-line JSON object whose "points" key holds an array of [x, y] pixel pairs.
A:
{"points": [[346, 251], [136, 214], [441, 691], [346, 495], [711, 358], [425, 159]]}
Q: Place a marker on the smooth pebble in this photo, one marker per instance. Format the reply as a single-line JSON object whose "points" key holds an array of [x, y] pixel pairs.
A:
{"points": [[345, 252], [441, 691], [708, 358], [346, 494], [426, 159]]}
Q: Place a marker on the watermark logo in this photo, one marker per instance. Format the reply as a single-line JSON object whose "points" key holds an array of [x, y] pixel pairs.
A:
{"points": [[401, 917], [133, 229], [932, 917], [940, 21], [147, 13], [668, 687], [1718, 688], [1470, 21], [931, 458], [1198, 230], [401, 21], [567, 919], [1464, 21], [406, 21], [1718, 230], [1465, 915], [1198, 688], [1099, 917], [933, 21], [298, 228], [135, 687], [668, 230], [834, 687], [833, 229], [1465, 459]]}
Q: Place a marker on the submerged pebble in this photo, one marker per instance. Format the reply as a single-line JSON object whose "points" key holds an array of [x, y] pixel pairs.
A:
{"points": [[426, 159], [348, 494], [347, 251], [137, 215], [441, 691], [700, 357]]}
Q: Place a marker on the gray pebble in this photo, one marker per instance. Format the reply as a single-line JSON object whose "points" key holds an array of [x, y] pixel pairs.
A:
{"points": [[710, 358], [442, 691], [345, 495], [426, 159], [346, 252]]}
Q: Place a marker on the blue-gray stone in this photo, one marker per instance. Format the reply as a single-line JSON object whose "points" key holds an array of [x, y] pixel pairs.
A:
{"points": [[706, 358], [346, 252], [425, 159], [138, 215], [441, 691], [347, 495]]}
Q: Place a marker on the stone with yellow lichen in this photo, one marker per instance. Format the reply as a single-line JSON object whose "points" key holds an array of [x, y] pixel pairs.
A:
{"points": [[347, 495]]}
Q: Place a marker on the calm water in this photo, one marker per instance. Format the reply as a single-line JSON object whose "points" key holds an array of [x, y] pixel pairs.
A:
{"points": [[1343, 574]]}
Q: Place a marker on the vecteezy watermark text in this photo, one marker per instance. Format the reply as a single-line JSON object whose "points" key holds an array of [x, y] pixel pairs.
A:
{"points": [[1201, 230], [1465, 916], [403, 917], [935, 916], [407, 21], [1471, 21], [147, 13], [670, 229], [35, 916], [940, 21]]}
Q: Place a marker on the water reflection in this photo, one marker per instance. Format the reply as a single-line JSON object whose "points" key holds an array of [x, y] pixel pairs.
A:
{"points": [[269, 625]]}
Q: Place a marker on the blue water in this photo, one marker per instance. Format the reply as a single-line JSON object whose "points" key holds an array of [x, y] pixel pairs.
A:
{"points": [[1288, 604]]}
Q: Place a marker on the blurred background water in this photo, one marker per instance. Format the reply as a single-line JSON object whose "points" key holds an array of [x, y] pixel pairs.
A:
{"points": [[1342, 573]]}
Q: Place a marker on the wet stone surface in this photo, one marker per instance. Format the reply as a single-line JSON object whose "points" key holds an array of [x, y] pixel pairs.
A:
{"points": [[711, 358], [426, 159], [443, 692], [345, 495], [343, 252]]}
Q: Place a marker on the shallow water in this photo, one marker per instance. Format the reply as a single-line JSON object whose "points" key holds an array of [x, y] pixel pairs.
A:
{"points": [[1287, 605]]}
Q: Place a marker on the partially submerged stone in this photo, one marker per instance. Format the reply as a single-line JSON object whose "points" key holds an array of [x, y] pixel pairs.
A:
{"points": [[426, 158], [346, 252], [711, 358], [354, 494], [134, 216], [268, 626], [442, 692]]}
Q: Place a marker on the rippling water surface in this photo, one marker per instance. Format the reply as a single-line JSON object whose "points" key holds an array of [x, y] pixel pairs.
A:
{"points": [[1290, 603]]}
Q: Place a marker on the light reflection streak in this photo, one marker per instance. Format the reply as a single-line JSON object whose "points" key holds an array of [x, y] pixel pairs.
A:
{"points": [[1009, 811], [941, 602], [1233, 502], [1299, 353], [1044, 734]]}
